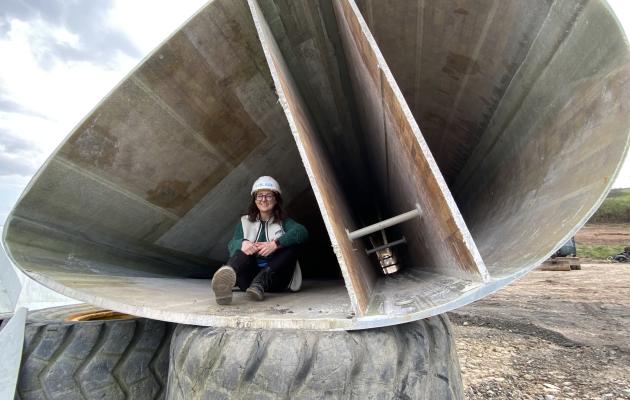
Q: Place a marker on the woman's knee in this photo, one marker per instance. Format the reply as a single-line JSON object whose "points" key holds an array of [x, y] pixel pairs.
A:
{"points": [[239, 259], [284, 258]]}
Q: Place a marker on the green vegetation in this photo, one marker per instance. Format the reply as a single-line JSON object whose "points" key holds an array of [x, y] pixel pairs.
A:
{"points": [[615, 209], [598, 251]]}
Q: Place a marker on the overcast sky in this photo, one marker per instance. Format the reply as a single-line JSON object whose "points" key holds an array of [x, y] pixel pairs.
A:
{"points": [[58, 58]]}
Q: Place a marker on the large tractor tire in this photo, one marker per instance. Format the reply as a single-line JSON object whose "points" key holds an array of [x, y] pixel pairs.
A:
{"points": [[411, 361], [81, 352]]}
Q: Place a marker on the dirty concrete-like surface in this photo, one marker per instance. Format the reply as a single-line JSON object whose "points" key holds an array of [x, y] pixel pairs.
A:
{"points": [[552, 335]]}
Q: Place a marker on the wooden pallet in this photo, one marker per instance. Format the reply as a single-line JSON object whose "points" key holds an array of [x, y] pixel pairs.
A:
{"points": [[561, 264]]}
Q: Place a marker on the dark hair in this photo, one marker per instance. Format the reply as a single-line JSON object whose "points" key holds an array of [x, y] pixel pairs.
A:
{"points": [[252, 209]]}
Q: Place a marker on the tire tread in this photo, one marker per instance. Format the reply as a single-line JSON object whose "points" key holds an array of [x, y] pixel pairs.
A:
{"points": [[109, 359], [409, 361]]}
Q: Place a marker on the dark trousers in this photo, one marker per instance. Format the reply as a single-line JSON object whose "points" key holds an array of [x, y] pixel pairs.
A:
{"points": [[281, 265]]}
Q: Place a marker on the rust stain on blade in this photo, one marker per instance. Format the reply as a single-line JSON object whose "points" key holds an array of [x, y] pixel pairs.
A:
{"points": [[201, 99], [127, 141]]}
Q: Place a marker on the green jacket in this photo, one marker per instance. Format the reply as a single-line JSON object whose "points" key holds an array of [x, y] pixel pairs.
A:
{"points": [[290, 233]]}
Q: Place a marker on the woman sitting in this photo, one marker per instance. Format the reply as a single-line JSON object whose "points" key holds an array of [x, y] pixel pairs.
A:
{"points": [[264, 249]]}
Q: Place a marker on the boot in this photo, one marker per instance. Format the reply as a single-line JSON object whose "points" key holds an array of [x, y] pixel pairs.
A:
{"points": [[222, 283], [256, 290]]}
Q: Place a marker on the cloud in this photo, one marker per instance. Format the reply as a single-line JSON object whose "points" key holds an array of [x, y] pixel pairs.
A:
{"points": [[18, 157], [68, 31], [12, 144], [11, 106], [14, 165]]}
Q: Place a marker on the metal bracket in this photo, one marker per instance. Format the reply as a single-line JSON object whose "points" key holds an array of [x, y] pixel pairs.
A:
{"points": [[385, 224], [387, 245]]}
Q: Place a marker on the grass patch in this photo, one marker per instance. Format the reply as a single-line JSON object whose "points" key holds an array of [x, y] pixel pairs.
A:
{"points": [[598, 251], [615, 209]]}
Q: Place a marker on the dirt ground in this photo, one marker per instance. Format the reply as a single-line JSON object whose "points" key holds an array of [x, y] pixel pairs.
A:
{"points": [[552, 335], [604, 234]]}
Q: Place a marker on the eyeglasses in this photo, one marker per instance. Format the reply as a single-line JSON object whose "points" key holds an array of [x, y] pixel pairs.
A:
{"points": [[261, 197]]}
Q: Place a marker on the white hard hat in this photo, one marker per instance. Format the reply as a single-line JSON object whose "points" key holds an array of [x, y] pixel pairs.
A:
{"points": [[266, 183]]}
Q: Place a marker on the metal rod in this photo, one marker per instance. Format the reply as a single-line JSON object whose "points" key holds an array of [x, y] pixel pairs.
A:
{"points": [[391, 244], [385, 224]]}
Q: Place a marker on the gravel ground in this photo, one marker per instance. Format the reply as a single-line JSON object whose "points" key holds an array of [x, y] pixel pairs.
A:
{"points": [[552, 335]]}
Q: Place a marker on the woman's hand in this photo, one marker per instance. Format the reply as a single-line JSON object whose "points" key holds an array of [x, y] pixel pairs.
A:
{"points": [[266, 248], [248, 248]]}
